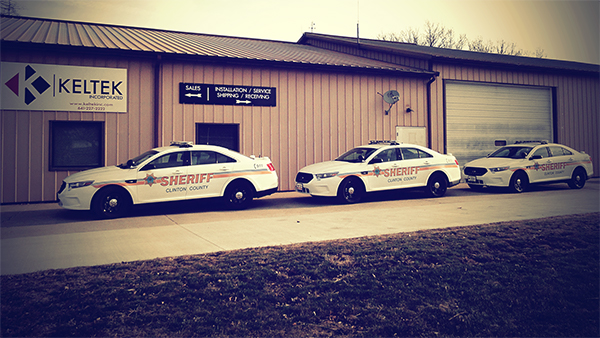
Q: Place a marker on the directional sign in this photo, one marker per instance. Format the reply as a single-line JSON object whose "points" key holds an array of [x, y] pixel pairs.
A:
{"points": [[200, 93]]}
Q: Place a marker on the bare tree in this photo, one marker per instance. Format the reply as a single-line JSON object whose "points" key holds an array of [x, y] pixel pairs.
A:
{"points": [[410, 35], [508, 48], [540, 53], [436, 35], [9, 7]]}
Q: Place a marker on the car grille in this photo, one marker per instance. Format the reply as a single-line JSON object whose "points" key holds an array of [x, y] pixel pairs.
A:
{"points": [[304, 177], [474, 171]]}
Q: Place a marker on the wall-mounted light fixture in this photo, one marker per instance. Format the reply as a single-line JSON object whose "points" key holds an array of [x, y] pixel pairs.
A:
{"points": [[408, 109]]}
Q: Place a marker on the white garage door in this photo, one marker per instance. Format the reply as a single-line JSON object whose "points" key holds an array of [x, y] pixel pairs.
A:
{"points": [[477, 115]]}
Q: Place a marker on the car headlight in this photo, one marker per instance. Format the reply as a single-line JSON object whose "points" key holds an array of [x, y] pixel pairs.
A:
{"points": [[498, 169], [80, 184], [326, 175]]}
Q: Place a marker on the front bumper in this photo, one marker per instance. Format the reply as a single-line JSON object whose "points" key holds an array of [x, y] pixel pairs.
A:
{"points": [[75, 199], [326, 187], [501, 179]]}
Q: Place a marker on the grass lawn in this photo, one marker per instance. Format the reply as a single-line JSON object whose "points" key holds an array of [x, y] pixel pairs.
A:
{"points": [[526, 278]]}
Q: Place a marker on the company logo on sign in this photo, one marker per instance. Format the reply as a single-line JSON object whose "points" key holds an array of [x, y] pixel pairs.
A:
{"points": [[39, 84], [65, 88]]}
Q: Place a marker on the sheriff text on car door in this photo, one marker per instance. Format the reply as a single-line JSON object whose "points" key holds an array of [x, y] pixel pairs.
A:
{"points": [[165, 178]]}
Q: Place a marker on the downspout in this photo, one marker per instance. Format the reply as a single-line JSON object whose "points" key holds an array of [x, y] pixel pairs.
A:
{"points": [[428, 85], [157, 99]]}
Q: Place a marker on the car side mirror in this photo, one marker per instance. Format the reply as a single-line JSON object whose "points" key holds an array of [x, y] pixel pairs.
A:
{"points": [[130, 164], [535, 157], [376, 160]]}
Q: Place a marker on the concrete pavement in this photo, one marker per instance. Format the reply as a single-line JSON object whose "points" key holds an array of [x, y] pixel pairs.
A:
{"points": [[44, 236]]}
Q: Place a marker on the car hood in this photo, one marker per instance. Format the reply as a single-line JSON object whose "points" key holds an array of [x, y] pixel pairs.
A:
{"points": [[329, 166], [99, 174], [493, 162]]}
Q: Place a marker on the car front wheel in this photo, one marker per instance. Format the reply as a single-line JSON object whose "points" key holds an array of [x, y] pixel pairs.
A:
{"points": [[577, 181], [111, 202], [351, 190], [518, 182], [437, 185], [239, 195]]}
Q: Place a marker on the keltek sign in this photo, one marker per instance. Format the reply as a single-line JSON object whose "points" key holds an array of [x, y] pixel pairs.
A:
{"points": [[30, 86], [199, 93]]}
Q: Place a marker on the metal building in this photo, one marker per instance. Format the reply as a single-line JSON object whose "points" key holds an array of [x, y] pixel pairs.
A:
{"points": [[78, 95]]}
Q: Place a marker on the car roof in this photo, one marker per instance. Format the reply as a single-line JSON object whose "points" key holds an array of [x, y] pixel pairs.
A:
{"points": [[533, 144]]}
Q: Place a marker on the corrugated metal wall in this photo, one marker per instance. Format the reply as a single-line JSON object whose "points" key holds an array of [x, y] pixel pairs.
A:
{"points": [[318, 115], [577, 103], [25, 134]]}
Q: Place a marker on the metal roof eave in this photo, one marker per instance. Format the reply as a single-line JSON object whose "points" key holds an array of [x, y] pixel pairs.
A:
{"points": [[444, 55], [345, 68]]}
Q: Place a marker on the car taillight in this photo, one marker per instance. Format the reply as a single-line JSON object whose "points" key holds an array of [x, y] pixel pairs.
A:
{"points": [[456, 161], [271, 167]]}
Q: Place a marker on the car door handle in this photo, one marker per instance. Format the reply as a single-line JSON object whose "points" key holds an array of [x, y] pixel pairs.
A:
{"points": [[177, 172], [426, 162], [224, 169]]}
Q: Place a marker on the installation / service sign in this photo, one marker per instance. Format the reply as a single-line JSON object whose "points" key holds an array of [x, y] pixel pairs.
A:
{"points": [[201, 93], [30, 86]]}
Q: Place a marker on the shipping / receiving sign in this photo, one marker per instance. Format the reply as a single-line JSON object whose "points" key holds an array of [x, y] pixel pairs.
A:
{"points": [[30, 86], [200, 93]]}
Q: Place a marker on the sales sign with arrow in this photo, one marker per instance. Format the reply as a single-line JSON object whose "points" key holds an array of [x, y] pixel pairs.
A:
{"points": [[200, 93]]}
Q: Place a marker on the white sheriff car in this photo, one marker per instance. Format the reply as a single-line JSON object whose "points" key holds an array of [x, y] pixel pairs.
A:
{"points": [[517, 165], [380, 165], [178, 172]]}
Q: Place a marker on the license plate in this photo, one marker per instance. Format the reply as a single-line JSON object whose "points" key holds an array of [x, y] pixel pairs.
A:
{"points": [[473, 179], [300, 188]]}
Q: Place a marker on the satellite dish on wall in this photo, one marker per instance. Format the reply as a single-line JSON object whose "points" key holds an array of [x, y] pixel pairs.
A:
{"points": [[391, 97]]}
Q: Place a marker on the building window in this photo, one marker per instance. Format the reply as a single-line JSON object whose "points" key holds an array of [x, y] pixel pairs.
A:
{"points": [[224, 135], [76, 145]]}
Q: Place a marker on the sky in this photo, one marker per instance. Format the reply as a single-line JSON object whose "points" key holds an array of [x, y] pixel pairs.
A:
{"points": [[565, 30]]}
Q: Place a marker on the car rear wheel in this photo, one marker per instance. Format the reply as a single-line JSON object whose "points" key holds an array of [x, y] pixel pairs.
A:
{"points": [[518, 182], [437, 185], [577, 181], [351, 190], [111, 202], [239, 195]]}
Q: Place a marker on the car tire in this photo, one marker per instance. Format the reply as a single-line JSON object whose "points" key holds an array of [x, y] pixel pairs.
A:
{"points": [[239, 195], [437, 185], [111, 202], [518, 182], [578, 179], [351, 190]]}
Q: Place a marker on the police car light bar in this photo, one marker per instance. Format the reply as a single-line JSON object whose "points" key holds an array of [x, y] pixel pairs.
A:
{"points": [[390, 142], [536, 141], [182, 144]]}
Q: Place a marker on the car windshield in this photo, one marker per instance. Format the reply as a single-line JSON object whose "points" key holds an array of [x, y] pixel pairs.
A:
{"points": [[356, 155], [138, 159], [512, 152]]}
